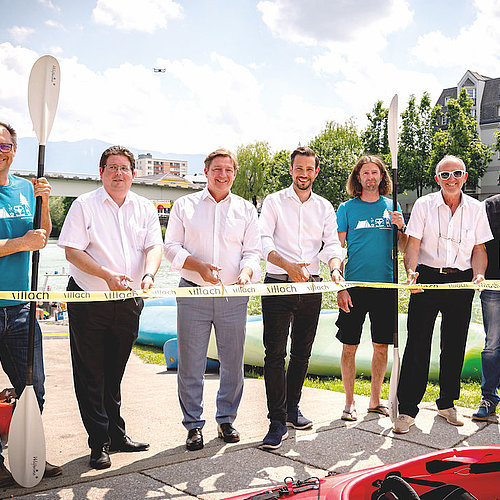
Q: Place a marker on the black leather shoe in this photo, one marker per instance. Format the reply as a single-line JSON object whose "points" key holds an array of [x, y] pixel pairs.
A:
{"points": [[52, 470], [6, 478], [228, 433], [126, 444], [99, 457], [194, 440]]}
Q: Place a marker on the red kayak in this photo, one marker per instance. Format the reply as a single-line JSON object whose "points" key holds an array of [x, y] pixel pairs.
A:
{"points": [[454, 474]]}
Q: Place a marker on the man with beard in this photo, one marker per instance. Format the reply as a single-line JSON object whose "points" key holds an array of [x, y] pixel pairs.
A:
{"points": [[298, 228], [365, 224]]}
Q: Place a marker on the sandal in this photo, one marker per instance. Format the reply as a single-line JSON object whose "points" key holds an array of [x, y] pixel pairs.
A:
{"points": [[380, 409], [350, 416]]}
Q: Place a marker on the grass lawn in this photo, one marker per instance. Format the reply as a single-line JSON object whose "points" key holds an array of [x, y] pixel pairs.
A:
{"points": [[470, 395]]}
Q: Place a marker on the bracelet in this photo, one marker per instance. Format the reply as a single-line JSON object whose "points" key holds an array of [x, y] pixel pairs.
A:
{"points": [[152, 276], [336, 269], [403, 229]]}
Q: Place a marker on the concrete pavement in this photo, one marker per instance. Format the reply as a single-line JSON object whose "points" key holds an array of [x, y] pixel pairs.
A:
{"points": [[167, 470]]}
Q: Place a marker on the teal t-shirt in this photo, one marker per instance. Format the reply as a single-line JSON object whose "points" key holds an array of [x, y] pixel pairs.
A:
{"points": [[17, 206], [369, 239]]}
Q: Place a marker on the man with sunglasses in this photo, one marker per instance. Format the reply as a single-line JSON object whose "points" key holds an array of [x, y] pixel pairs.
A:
{"points": [[298, 228], [112, 239], [446, 235], [17, 240]]}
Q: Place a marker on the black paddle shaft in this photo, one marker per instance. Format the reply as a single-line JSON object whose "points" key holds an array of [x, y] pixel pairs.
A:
{"points": [[395, 253], [34, 273]]}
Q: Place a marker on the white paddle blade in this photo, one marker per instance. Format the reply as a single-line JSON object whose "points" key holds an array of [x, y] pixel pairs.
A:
{"points": [[393, 386], [27, 441], [392, 130], [43, 95]]}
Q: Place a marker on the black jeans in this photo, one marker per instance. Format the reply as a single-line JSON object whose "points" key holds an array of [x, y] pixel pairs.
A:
{"points": [[455, 307], [283, 389], [101, 338]]}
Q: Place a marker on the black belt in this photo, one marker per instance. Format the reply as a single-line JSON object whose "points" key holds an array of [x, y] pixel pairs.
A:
{"points": [[286, 279], [444, 270]]}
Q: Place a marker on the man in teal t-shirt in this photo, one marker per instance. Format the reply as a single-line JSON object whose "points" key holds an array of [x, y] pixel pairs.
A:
{"points": [[17, 239], [365, 225]]}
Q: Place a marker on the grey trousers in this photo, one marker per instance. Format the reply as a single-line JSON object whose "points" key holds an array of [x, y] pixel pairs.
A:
{"points": [[195, 317]]}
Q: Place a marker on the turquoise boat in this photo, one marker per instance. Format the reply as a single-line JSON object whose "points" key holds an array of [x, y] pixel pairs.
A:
{"points": [[158, 325]]}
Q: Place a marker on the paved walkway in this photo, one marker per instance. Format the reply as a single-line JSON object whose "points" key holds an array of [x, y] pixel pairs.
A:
{"points": [[167, 470]]}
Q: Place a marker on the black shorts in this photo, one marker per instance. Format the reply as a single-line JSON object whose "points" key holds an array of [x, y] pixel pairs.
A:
{"points": [[379, 303]]}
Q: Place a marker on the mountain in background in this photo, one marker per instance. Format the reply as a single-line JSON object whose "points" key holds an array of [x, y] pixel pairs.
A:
{"points": [[82, 157]]}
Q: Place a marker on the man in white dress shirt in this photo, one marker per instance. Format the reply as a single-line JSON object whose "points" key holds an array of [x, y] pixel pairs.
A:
{"points": [[212, 238], [298, 228], [446, 235], [112, 239]]}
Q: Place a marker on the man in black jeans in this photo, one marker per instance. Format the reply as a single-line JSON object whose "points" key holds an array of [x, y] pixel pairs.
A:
{"points": [[298, 228], [446, 235]]}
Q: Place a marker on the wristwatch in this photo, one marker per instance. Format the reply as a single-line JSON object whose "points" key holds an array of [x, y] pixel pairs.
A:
{"points": [[403, 229], [336, 269], [152, 276]]}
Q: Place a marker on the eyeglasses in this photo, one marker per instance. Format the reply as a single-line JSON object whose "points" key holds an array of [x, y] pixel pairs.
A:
{"points": [[122, 168], [446, 174], [6, 148]]}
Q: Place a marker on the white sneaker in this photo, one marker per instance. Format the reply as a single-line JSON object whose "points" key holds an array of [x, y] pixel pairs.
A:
{"points": [[450, 414], [403, 424]]}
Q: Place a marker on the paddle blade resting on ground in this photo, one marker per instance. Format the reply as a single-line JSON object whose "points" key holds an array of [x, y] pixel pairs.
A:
{"points": [[27, 441], [393, 386], [26, 436]]}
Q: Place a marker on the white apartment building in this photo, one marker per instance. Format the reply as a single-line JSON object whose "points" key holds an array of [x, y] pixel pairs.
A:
{"points": [[145, 164]]}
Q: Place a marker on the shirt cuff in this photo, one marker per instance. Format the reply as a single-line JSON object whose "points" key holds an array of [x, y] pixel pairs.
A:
{"points": [[178, 261]]}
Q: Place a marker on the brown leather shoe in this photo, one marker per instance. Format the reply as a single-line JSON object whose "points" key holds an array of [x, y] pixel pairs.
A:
{"points": [[6, 478], [194, 440], [52, 470]]}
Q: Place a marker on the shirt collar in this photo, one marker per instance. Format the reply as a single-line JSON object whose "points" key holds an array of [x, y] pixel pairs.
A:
{"points": [[104, 196], [439, 200], [290, 193], [206, 194]]}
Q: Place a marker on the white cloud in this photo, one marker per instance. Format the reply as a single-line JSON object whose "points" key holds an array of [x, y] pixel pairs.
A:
{"points": [[54, 24], [50, 5], [321, 22], [190, 108], [476, 47], [129, 15], [20, 33], [55, 50]]}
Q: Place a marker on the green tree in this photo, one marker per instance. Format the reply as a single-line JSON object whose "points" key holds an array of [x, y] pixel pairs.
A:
{"points": [[415, 146], [252, 162], [461, 138], [338, 147], [277, 175], [58, 207], [374, 137]]}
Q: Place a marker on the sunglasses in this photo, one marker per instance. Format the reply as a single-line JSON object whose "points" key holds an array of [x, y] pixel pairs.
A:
{"points": [[6, 148], [446, 174]]}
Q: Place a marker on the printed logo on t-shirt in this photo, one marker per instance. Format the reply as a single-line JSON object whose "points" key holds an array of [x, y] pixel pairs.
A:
{"points": [[21, 210], [383, 222]]}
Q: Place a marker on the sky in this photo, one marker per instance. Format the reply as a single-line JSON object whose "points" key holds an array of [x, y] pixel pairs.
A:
{"points": [[236, 71]]}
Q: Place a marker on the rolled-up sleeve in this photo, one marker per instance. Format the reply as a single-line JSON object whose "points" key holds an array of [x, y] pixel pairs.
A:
{"points": [[251, 250], [267, 225], [174, 249], [331, 243], [74, 232]]}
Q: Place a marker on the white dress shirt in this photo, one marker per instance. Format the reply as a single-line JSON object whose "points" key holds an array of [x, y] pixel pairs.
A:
{"points": [[298, 230], [447, 240], [115, 237], [224, 234]]}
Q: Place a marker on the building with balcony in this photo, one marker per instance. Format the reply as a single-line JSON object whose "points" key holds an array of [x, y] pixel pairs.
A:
{"points": [[485, 94], [147, 165]]}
